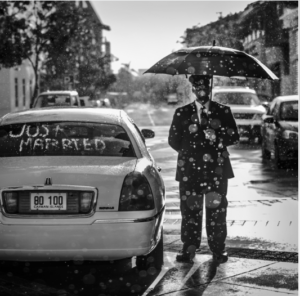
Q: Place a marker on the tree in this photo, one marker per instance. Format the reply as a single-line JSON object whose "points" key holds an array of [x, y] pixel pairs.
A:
{"points": [[15, 44], [35, 30]]}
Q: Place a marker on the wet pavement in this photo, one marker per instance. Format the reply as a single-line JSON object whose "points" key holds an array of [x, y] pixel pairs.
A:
{"points": [[235, 277]]}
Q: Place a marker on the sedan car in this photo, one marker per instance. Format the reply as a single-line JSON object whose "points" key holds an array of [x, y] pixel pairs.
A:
{"points": [[246, 109], [79, 184], [279, 130], [57, 98]]}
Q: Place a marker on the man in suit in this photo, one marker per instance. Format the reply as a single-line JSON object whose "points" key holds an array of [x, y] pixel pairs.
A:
{"points": [[200, 133]]}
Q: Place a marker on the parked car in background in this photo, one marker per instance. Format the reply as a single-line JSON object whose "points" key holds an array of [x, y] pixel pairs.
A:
{"points": [[279, 130], [246, 108], [79, 184], [85, 101], [172, 99], [57, 98]]}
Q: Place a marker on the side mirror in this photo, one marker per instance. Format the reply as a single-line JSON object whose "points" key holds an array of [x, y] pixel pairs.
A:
{"points": [[266, 105], [269, 119], [148, 134]]}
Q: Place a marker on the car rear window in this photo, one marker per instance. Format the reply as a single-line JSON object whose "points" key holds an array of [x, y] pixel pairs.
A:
{"points": [[246, 99], [49, 100], [64, 138], [289, 111]]}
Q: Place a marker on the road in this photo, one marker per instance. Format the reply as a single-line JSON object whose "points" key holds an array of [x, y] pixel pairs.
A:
{"points": [[262, 225]]}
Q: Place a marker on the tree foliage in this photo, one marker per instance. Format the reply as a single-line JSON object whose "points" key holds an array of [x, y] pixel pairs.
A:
{"points": [[57, 37], [15, 44]]}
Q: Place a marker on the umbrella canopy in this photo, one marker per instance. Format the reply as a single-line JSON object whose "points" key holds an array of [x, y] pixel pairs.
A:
{"points": [[212, 60]]}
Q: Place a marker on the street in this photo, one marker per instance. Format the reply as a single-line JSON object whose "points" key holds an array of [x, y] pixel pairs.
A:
{"points": [[261, 219]]}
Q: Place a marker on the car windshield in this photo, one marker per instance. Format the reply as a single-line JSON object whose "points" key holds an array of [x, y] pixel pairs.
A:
{"points": [[64, 138], [237, 98], [289, 111], [49, 100]]}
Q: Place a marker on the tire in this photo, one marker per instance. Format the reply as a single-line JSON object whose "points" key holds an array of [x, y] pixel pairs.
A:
{"points": [[278, 162], [264, 152], [154, 259]]}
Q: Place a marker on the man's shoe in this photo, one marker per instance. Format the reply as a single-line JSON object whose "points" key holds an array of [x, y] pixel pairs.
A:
{"points": [[184, 256], [220, 257]]}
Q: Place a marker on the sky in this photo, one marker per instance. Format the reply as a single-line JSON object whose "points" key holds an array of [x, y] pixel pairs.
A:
{"points": [[143, 32]]}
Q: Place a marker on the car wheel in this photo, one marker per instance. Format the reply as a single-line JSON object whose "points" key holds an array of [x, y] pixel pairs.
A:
{"points": [[278, 162], [154, 259], [264, 152]]}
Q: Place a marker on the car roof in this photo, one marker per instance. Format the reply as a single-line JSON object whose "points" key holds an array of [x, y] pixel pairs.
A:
{"points": [[49, 92], [84, 114], [233, 89], [287, 98]]}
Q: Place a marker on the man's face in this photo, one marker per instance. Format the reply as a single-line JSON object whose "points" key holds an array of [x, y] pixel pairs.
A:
{"points": [[202, 93]]}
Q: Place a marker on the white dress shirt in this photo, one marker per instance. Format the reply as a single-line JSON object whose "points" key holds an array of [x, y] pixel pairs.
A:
{"points": [[199, 106]]}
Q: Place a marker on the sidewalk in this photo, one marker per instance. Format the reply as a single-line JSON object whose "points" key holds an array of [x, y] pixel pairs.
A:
{"points": [[248, 241], [236, 277]]}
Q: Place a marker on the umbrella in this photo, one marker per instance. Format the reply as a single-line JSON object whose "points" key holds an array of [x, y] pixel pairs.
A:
{"points": [[212, 60]]}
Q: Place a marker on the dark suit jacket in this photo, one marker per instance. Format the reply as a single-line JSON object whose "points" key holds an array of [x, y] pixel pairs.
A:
{"points": [[199, 158]]}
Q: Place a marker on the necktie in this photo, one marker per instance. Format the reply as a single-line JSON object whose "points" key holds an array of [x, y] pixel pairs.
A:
{"points": [[204, 117]]}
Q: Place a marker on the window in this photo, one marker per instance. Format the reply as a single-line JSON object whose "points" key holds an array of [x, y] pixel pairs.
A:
{"points": [[64, 138], [289, 111], [24, 92], [16, 93]]}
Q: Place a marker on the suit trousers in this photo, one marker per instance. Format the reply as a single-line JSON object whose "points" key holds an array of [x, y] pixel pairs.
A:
{"points": [[191, 206]]}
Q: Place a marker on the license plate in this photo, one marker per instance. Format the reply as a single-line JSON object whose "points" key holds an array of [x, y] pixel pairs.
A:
{"points": [[47, 201]]}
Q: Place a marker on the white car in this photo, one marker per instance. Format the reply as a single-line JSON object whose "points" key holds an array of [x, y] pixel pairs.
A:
{"points": [[57, 98], [79, 184], [246, 109]]}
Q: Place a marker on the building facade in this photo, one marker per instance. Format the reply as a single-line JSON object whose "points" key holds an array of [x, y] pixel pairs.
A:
{"points": [[267, 30], [16, 86]]}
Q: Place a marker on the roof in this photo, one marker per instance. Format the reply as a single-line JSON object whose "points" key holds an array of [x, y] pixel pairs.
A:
{"points": [[233, 89], [49, 92], [287, 98], [85, 114]]}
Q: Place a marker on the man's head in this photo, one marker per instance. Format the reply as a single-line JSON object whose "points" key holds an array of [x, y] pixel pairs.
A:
{"points": [[201, 87]]}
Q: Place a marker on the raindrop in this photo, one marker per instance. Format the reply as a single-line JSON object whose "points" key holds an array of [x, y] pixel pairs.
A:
{"points": [[206, 157], [193, 128], [215, 123], [220, 160], [194, 118], [89, 279], [230, 131], [212, 199], [225, 154], [143, 273], [191, 70]]}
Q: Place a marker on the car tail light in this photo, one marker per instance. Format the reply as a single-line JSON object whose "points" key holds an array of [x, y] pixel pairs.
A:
{"points": [[85, 201], [136, 194], [11, 202]]}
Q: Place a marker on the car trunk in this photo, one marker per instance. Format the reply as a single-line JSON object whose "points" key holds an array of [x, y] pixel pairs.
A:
{"points": [[104, 175]]}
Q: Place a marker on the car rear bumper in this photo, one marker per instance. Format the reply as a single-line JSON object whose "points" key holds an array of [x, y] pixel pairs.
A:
{"points": [[103, 240], [249, 129]]}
